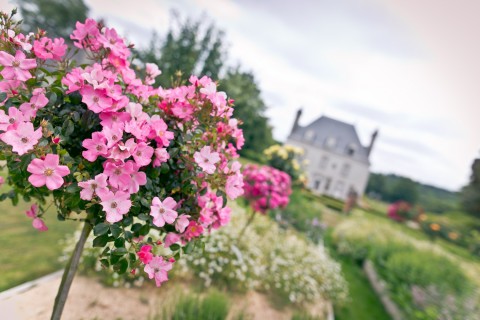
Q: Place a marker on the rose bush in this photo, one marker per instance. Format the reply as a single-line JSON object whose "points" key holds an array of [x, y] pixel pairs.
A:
{"points": [[106, 147], [266, 188]]}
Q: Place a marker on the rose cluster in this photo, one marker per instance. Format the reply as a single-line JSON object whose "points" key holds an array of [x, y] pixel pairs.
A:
{"points": [[266, 188], [97, 138]]}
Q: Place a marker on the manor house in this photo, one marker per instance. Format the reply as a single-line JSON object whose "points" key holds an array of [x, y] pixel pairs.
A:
{"points": [[337, 162]]}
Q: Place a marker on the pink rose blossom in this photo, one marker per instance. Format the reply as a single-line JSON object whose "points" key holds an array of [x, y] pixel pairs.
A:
{"points": [[96, 100], [145, 255], [193, 230], [171, 238], [45, 48], [16, 68], [38, 224], [33, 211], [162, 212], [161, 156], [11, 120], [143, 154], [96, 147], [207, 159], [2, 181], [116, 205], [157, 268], [47, 172], [182, 223], [94, 187], [23, 138]]}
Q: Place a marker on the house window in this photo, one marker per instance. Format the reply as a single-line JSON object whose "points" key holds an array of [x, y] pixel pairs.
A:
{"points": [[337, 192], [345, 170], [351, 148], [316, 185], [327, 184], [324, 162], [309, 135], [330, 142]]}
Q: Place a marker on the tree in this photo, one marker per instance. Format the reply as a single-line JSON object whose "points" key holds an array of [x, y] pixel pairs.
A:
{"points": [[249, 108], [404, 189], [57, 17], [376, 184], [470, 195], [190, 47]]}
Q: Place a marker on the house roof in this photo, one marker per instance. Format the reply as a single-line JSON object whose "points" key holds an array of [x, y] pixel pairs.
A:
{"points": [[332, 135]]}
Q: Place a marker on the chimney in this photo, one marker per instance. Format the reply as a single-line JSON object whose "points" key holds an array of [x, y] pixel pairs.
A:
{"points": [[372, 142], [295, 124]]}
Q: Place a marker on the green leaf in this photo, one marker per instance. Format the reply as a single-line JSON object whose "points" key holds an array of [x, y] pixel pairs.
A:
{"points": [[175, 247], [127, 221], [119, 243], [100, 229], [116, 230], [105, 263], [73, 188], [145, 202], [121, 266], [144, 230], [101, 241], [52, 99], [3, 96], [189, 247], [119, 252], [143, 216]]}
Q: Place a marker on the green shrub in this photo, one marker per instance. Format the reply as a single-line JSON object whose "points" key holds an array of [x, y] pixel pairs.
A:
{"points": [[304, 316], [214, 306], [424, 268], [302, 213]]}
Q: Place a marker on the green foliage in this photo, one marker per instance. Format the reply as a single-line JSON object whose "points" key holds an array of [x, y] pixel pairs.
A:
{"points": [[249, 108], [303, 213], [304, 316], [409, 266], [214, 306], [57, 17], [470, 194], [424, 268], [189, 48], [266, 258], [392, 188]]}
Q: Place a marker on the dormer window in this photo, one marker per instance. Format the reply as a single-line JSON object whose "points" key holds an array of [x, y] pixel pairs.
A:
{"points": [[309, 135], [351, 149], [330, 142]]}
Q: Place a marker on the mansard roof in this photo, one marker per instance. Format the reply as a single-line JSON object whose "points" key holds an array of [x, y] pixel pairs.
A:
{"points": [[332, 135]]}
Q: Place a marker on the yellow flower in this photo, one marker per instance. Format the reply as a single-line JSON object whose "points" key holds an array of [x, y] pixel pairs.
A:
{"points": [[422, 217], [435, 227]]}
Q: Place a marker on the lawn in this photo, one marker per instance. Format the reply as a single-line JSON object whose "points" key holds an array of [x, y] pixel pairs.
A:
{"points": [[26, 253]]}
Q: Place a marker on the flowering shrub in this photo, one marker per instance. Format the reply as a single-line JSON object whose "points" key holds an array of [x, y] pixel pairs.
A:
{"points": [[285, 158], [267, 258], [106, 147], [266, 188]]}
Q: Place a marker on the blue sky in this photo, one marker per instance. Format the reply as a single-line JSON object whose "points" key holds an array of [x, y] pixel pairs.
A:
{"points": [[408, 68]]}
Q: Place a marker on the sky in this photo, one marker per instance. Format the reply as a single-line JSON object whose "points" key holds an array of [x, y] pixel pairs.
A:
{"points": [[408, 68]]}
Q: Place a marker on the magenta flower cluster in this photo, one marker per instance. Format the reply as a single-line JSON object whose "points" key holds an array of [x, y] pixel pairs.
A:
{"points": [[266, 188], [164, 155]]}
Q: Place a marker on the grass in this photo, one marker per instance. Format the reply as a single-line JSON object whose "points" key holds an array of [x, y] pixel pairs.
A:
{"points": [[26, 253], [364, 303]]}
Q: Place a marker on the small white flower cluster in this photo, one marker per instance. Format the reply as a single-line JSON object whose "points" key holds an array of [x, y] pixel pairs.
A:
{"points": [[267, 258]]}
